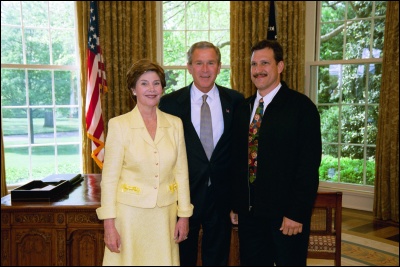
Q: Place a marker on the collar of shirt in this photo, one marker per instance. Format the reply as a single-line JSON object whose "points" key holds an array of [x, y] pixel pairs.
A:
{"points": [[268, 98], [197, 95]]}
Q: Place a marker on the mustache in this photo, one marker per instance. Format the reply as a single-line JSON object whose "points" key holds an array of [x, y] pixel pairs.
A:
{"points": [[262, 74]]}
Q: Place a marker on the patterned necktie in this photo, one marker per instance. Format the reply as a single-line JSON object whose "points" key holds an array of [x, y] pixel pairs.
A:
{"points": [[253, 140]]}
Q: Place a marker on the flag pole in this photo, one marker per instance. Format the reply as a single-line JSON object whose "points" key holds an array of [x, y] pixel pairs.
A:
{"points": [[272, 32]]}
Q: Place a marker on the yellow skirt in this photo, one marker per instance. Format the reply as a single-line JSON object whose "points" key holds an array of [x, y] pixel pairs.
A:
{"points": [[147, 237]]}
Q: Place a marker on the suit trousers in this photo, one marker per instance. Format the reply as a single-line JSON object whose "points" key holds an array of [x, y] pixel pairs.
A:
{"points": [[261, 243], [216, 238]]}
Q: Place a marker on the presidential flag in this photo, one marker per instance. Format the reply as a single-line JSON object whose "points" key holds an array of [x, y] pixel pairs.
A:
{"points": [[96, 85], [272, 33]]}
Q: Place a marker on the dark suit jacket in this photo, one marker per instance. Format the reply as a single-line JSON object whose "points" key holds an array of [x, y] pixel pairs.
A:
{"points": [[289, 155], [200, 168]]}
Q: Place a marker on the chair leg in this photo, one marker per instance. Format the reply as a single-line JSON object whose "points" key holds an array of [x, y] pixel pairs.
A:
{"points": [[338, 259]]}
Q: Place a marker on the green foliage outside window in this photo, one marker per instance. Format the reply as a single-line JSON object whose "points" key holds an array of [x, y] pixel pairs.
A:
{"points": [[348, 93], [350, 169]]}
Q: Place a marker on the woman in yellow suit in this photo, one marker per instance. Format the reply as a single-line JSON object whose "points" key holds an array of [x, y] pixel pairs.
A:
{"points": [[145, 199]]}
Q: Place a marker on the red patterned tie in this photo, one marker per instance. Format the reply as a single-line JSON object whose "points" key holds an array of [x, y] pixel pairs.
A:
{"points": [[253, 140]]}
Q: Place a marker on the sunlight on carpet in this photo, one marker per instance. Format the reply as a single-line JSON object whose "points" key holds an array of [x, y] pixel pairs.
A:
{"points": [[361, 251]]}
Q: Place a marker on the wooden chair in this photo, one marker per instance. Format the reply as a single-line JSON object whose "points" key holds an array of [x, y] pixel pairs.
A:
{"points": [[326, 227]]}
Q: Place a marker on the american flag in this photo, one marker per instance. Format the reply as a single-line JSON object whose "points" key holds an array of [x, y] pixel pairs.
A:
{"points": [[272, 33], [96, 84]]}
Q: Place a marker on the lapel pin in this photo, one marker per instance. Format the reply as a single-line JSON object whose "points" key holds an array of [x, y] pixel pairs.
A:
{"points": [[227, 110]]}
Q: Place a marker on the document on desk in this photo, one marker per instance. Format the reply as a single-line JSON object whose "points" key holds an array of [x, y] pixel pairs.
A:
{"points": [[72, 178]]}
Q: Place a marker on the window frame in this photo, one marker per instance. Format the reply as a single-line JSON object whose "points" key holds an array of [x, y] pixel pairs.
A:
{"points": [[56, 143], [355, 196]]}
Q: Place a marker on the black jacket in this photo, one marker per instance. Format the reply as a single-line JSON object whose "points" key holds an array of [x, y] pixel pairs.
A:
{"points": [[200, 168], [289, 156]]}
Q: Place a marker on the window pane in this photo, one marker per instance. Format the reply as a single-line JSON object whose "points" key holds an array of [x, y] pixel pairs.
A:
{"points": [[380, 8], [37, 46], [328, 170], [195, 36], [40, 87], [329, 78], [370, 171], [223, 77], [332, 12], [197, 15], [67, 125], [379, 30], [13, 89], [59, 12], [43, 126], [174, 15], [362, 9], [15, 127], [17, 172], [331, 41], [63, 47], [43, 161], [66, 88], [174, 49], [11, 45], [219, 39], [372, 124], [175, 79], [34, 13], [67, 156], [353, 89], [357, 39], [352, 122], [219, 9], [10, 13], [329, 123], [374, 82], [351, 166]]}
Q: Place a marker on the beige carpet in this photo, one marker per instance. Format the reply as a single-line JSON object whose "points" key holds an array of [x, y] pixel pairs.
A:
{"points": [[360, 251]]}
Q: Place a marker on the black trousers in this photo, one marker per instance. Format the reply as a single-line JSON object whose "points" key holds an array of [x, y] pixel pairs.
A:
{"points": [[216, 238], [261, 243]]}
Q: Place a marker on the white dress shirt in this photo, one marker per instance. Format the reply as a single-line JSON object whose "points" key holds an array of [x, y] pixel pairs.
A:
{"points": [[214, 102], [267, 99]]}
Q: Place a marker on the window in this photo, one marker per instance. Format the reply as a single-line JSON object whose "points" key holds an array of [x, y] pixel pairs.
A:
{"points": [[344, 80], [186, 22], [40, 96]]}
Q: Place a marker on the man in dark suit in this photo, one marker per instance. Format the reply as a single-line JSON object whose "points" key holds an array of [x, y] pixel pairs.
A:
{"points": [[209, 178], [275, 188]]}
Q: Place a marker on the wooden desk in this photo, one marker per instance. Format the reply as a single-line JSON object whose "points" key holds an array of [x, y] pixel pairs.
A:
{"points": [[57, 233], [63, 232]]}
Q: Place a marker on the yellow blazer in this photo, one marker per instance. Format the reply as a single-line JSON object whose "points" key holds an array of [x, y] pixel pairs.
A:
{"points": [[142, 172]]}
